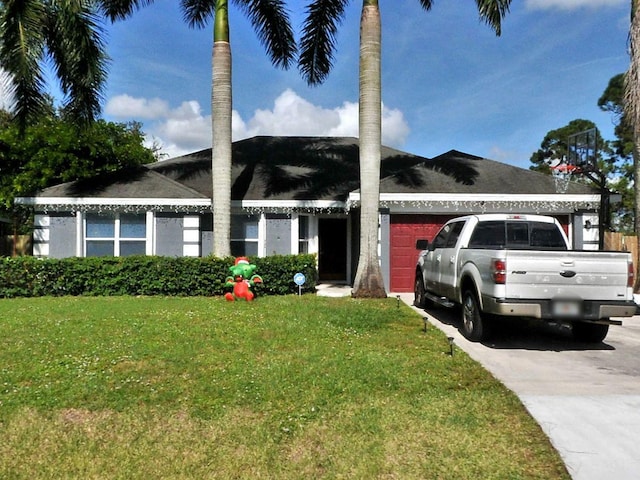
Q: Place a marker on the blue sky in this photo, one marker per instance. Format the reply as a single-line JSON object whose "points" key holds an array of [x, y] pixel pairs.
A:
{"points": [[448, 81]]}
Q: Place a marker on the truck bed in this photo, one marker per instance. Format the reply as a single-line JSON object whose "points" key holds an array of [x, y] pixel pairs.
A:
{"points": [[585, 275]]}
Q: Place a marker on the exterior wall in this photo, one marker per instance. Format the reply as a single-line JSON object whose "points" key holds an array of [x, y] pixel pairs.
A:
{"points": [[54, 235], [384, 246], [206, 234], [278, 234], [585, 230], [61, 235], [168, 234], [62, 243], [191, 237]]}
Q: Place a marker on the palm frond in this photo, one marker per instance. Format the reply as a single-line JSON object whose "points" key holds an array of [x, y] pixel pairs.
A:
{"points": [[492, 12], [22, 49], [426, 4], [121, 9], [270, 19], [318, 41], [197, 13], [74, 39]]}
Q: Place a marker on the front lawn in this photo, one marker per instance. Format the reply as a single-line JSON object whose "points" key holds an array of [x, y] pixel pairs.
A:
{"points": [[282, 388]]}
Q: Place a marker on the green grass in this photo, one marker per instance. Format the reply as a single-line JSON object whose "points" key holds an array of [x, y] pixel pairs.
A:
{"points": [[284, 388]]}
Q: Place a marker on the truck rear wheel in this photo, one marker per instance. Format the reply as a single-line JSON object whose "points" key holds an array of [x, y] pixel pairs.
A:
{"points": [[589, 332], [473, 325]]}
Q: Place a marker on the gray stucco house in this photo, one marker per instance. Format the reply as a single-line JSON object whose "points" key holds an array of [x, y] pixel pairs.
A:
{"points": [[292, 195]]}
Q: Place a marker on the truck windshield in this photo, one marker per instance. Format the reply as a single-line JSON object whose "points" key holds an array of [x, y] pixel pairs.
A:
{"points": [[517, 235]]}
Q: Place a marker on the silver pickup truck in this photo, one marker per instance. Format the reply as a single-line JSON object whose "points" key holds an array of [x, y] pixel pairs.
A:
{"points": [[521, 266]]}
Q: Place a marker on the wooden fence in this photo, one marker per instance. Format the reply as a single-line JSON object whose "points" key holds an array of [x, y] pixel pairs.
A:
{"points": [[19, 245], [626, 243]]}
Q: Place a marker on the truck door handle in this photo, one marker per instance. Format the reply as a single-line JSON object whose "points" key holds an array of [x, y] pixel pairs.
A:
{"points": [[452, 259], [567, 273]]}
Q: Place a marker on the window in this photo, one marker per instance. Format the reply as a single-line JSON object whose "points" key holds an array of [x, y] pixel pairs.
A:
{"points": [[456, 228], [118, 235], [448, 235], [488, 235], [517, 235], [441, 239], [547, 236], [303, 234], [244, 235]]}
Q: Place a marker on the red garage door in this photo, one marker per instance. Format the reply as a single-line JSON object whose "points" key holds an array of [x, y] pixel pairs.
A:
{"points": [[405, 230]]}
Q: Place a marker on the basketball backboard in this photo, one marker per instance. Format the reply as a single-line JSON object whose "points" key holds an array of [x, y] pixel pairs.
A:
{"points": [[582, 150]]}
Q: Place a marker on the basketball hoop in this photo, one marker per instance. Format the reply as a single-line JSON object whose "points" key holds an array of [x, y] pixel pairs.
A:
{"points": [[562, 173]]}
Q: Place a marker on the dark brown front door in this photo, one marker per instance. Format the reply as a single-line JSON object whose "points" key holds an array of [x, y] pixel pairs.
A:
{"points": [[332, 256]]}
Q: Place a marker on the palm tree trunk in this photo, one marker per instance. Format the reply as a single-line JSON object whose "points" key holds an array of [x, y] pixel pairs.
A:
{"points": [[632, 107], [368, 281], [221, 107]]}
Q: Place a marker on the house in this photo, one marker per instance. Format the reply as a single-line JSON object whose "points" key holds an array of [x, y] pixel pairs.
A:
{"points": [[295, 195]]}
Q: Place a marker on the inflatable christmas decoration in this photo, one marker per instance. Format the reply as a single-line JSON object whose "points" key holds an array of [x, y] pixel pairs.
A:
{"points": [[241, 280]]}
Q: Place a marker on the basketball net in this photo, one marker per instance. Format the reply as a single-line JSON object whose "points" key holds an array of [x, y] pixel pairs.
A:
{"points": [[562, 175]]}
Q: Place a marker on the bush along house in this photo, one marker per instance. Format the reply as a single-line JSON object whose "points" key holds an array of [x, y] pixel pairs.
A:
{"points": [[296, 195]]}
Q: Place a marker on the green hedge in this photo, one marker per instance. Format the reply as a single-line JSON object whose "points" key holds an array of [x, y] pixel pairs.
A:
{"points": [[143, 275]]}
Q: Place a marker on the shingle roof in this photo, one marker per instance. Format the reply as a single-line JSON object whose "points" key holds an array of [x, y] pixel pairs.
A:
{"points": [[286, 168], [311, 168], [457, 172], [136, 182]]}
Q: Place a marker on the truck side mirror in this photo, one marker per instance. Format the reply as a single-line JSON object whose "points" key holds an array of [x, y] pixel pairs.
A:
{"points": [[422, 244]]}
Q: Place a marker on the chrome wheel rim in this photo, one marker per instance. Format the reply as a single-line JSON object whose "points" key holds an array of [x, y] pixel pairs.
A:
{"points": [[469, 313]]}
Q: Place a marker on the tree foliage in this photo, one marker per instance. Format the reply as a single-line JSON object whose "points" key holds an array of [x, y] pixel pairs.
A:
{"points": [[54, 151], [615, 157], [612, 101], [555, 145]]}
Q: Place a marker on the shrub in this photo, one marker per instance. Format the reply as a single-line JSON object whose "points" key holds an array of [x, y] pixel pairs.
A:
{"points": [[146, 275]]}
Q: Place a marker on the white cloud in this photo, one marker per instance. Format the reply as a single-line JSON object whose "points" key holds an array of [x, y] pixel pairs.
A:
{"points": [[125, 106], [185, 129], [571, 4]]}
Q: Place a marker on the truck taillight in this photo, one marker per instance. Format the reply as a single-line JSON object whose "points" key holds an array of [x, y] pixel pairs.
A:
{"points": [[499, 271], [631, 276]]}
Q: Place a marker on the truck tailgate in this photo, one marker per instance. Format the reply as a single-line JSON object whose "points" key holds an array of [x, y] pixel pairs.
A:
{"points": [[588, 275]]}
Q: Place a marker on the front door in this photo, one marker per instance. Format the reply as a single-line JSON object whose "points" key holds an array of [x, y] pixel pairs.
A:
{"points": [[332, 246]]}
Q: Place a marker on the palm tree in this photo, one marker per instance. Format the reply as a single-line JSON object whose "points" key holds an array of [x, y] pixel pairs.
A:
{"points": [[66, 33], [271, 22], [632, 102], [316, 57]]}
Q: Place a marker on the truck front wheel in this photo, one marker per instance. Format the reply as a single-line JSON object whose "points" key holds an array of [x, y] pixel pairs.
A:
{"points": [[472, 322], [419, 298], [589, 332]]}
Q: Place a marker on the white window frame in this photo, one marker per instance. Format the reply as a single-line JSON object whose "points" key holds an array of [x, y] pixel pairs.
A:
{"points": [[260, 241], [117, 239], [310, 239]]}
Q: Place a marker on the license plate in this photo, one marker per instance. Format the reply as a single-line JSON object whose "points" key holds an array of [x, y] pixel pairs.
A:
{"points": [[564, 308]]}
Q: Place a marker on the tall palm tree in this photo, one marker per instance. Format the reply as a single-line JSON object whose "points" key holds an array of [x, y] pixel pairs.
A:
{"points": [[271, 22], [66, 33], [316, 58], [632, 102]]}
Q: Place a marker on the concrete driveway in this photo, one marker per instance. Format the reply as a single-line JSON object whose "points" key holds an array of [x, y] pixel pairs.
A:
{"points": [[585, 397]]}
